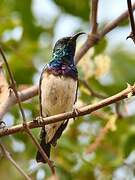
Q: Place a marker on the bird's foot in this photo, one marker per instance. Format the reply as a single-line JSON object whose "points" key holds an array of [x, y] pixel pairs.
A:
{"points": [[76, 111], [39, 120], [3, 126]]}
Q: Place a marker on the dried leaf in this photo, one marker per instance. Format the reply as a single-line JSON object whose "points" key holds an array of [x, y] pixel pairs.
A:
{"points": [[4, 88]]}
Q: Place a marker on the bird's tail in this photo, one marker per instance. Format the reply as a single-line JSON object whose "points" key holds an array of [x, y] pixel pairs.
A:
{"points": [[45, 146]]}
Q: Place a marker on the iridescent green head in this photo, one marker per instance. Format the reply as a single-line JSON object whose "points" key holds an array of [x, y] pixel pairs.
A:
{"points": [[64, 48]]}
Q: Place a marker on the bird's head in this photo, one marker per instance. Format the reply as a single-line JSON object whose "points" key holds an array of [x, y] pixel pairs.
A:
{"points": [[65, 47]]}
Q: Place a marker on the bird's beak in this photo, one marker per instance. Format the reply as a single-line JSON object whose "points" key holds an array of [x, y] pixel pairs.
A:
{"points": [[74, 37]]}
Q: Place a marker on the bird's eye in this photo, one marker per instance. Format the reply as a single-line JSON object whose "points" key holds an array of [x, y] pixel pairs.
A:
{"points": [[58, 48]]}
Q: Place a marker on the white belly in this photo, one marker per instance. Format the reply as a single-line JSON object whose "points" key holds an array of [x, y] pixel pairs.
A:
{"points": [[58, 96]]}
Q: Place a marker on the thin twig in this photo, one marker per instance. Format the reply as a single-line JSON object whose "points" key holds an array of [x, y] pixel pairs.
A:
{"points": [[50, 164], [81, 112], [11, 99], [9, 157], [13, 85], [94, 24], [100, 96], [93, 93], [93, 36], [132, 22], [109, 125], [26, 128], [117, 109]]}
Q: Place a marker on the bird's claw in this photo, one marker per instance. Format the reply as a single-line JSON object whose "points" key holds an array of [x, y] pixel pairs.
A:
{"points": [[76, 111], [39, 120], [3, 126]]}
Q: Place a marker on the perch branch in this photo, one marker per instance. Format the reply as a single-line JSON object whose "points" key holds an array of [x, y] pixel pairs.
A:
{"points": [[100, 96], [130, 90]]}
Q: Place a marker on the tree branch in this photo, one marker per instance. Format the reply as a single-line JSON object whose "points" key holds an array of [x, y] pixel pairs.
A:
{"points": [[92, 40], [9, 157], [129, 91], [93, 93], [100, 96], [13, 85]]}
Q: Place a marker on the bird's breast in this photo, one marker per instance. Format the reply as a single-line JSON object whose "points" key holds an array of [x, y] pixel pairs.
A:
{"points": [[58, 94]]}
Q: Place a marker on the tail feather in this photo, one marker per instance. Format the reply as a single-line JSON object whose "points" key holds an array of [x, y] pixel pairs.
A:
{"points": [[58, 133], [45, 146]]}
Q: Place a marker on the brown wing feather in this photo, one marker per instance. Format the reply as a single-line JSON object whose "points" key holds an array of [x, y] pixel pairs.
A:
{"points": [[76, 91], [40, 92]]}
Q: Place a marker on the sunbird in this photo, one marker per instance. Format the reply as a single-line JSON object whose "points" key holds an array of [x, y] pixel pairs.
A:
{"points": [[57, 91]]}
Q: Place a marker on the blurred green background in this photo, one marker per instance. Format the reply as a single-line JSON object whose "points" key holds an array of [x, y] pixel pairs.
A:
{"points": [[28, 31]]}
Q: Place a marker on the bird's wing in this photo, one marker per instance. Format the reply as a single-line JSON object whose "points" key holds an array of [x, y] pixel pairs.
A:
{"points": [[40, 95], [76, 91]]}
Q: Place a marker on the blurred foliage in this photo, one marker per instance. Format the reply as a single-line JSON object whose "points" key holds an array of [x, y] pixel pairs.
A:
{"points": [[27, 44], [100, 47], [77, 8]]}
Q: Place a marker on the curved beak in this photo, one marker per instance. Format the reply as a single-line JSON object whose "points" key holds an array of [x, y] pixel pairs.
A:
{"points": [[74, 37]]}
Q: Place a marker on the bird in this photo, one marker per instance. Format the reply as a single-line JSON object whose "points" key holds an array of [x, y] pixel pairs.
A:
{"points": [[57, 91]]}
